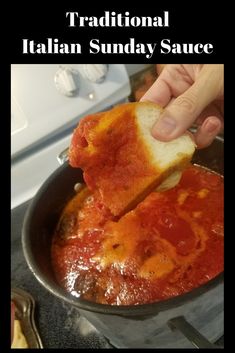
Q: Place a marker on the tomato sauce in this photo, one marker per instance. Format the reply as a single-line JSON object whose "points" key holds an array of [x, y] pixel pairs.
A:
{"points": [[170, 244], [105, 145]]}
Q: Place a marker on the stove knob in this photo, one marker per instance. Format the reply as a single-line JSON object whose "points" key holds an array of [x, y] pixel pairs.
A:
{"points": [[67, 81], [95, 73]]}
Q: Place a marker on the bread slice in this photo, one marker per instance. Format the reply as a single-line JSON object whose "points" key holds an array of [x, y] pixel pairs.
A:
{"points": [[19, 340], [121, 159]]}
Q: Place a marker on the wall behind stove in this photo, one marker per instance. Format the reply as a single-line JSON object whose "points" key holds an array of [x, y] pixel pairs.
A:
{"points": [[134, 68]]}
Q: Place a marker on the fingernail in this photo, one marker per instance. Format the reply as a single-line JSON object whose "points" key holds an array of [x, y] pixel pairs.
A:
{"points": [[211, 126], [164, 127]]}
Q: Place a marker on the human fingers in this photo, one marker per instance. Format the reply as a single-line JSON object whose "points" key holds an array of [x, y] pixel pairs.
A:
{"points": [[207, 132], [159, 93], [172, 81], [185, 109], [216, 108]]}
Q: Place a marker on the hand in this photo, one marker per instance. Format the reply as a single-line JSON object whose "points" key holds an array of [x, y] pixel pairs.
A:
{"points": [[191, 94]]}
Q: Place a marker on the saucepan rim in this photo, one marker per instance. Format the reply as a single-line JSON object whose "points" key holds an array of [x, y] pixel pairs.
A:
{"points": [[123, 310]]}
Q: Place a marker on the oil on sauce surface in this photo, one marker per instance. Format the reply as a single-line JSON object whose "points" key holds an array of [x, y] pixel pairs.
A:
{"points": [[171, 243]]}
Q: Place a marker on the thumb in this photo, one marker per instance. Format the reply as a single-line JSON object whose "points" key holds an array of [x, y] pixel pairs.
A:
{"points": [[184, 110]]}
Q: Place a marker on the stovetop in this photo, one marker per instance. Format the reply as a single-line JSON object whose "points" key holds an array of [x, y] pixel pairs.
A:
{"points": [[59, 325]]}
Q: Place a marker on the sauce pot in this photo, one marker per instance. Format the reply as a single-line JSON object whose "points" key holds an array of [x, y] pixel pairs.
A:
{"points": [[192, 319]]}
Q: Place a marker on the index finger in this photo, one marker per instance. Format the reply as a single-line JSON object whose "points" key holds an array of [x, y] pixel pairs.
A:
{"points": [[159, 93]]}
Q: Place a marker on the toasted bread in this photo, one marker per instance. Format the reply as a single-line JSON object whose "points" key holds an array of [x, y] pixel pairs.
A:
{"points": [[121, 158]]}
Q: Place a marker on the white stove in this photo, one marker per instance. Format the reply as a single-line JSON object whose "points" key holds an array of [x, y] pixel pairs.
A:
{"points": [[47, 101]]}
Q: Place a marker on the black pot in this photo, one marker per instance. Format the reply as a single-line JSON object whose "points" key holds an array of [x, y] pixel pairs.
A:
{"points": [[39, 224]]}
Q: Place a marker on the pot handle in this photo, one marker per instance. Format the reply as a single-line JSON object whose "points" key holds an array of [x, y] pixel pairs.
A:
{"points": [[194, 336], [63, 156]]}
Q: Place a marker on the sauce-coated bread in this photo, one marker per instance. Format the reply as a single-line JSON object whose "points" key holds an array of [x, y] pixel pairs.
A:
{"points": [[121, 158]]}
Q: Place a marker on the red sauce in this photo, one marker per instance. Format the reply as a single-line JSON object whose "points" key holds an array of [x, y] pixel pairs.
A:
{"points": [[106, 144], [171, 243]]}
